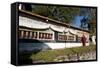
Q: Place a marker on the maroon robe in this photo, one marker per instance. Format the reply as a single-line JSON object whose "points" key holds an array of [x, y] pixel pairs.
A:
{"points": [[83, 40]]}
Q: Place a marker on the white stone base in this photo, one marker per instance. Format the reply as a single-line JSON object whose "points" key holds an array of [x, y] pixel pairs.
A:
{"points": [[64, 45], [46, 46]]}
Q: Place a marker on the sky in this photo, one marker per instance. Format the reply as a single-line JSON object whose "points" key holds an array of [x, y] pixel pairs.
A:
{"points": [[77, 21]]}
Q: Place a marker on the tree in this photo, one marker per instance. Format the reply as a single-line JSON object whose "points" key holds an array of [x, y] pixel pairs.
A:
{"points": [[89, 19], [60, 13]]}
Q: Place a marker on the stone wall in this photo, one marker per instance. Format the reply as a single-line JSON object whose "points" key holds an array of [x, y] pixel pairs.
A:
{"points": [[77, 57]]}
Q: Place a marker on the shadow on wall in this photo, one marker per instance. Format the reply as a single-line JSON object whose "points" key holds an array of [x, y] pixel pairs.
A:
{"points": [[28, 47], [35, 46]]}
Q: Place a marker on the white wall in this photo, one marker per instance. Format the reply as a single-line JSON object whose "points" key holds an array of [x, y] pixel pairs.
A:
{"points": [[64, 45], [93, 40]]}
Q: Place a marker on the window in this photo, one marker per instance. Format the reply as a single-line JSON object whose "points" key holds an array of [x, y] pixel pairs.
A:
{"points": [[50, 36], [30, 35], [79, 39], [34, 35], [21, 33], [26, 33], [62, 37], [70, 38], [45, 36], [66, 37]]}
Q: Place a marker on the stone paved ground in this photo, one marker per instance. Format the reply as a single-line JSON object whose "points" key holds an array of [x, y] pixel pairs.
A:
{"points": [[76, 57]]}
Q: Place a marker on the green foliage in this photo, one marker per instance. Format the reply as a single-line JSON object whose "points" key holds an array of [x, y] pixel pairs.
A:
{"points": [[49, 55], [81, 50], [90, 13], [60, 13]]}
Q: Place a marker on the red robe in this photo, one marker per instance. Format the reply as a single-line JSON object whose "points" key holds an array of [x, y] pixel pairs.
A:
{"points": [[83, 40]]}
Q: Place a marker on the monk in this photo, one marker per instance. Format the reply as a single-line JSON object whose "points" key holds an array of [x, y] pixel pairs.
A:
{"points": [[83, 40]]}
